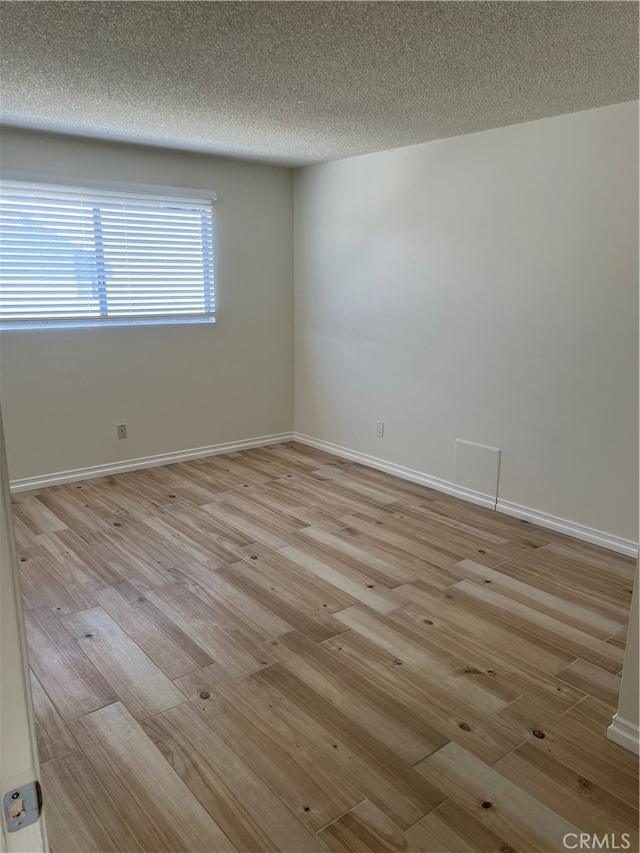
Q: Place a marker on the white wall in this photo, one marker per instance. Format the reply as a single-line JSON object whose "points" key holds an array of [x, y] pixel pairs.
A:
{"points": [[64, 391], [485, 288]]}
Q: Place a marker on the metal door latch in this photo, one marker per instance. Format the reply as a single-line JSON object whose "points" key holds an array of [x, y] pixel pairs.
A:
{"points": [[22, 806]]}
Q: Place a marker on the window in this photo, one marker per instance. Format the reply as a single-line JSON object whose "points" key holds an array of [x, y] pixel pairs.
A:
{"points": [[78, 257]]}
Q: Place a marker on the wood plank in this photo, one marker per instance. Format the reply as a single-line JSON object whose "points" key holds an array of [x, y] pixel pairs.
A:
{"points": [[552, 605], [577, 739], [458, 720], [231, 621], [225, 543], [52, 735], [598, 558], [92, 497], [30, 586], [24, 534], [576, 797], [69, 678], [301, 490], [365, 827], [422, 515], [378, 549], [330, 491], [275, 469], [354, 583], [389, 782], [289, 604], [160, 808], [236, 464], [246, 810], [80, 565], [140, 685], [305, 515], [508, 672], [170, 648], [246, 523], [615, 608], [115, 491], [506, 810], [576, 575], [385, 716], [223, 475], [195, 471], [171, 480], [484, 629], [406, 540], [376, 493], [45, 583], [249, 614], [405, 644], [70, 511], [593, 680], [431, 541], [310, 592], [302, 455], [36, 517], [453, 829], [192, 541], [246, 502], [441, 532], [619, 639], [245, 460], [534, 622], [200, 681], [81, 816], [344, 548], [404, 490], [587, 722], [140, 550], [231, 650], [491, 521], [282, 749], [152, 485]]}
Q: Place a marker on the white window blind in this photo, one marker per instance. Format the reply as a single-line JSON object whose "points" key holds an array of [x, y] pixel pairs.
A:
{"points": [[73, 256]]}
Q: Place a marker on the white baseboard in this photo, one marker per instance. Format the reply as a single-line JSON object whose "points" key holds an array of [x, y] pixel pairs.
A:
{"points": [[542, 519], [92, 471], [399, 471], [571, 528], [624, 733]]}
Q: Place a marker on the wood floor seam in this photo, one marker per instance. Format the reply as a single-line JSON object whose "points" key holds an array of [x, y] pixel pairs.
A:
{"points": [[363, 800]]}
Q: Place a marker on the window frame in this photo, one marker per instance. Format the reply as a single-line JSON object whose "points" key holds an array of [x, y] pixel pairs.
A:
{"points": [[27, 324]]}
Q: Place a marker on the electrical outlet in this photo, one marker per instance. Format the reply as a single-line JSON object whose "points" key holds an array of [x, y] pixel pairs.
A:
{"points": [[122, 430], [379, 429]]}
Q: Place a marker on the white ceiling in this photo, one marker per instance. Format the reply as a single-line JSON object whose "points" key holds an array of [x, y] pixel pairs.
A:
{"points": [[304, 82]]}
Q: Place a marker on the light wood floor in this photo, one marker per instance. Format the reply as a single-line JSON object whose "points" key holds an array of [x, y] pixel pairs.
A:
{"points": [[277, 650]]}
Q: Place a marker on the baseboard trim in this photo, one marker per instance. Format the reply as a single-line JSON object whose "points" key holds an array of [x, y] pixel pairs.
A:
{"points": [[56, 479], [571, 528], [399, 471], [625, 734], [542, 519]]}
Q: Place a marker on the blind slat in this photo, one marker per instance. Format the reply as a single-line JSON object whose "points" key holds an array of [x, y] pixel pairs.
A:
{"points": [[75, 253]]}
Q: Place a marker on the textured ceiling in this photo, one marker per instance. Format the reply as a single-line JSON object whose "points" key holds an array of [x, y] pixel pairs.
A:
{"points": [[297, 83]]}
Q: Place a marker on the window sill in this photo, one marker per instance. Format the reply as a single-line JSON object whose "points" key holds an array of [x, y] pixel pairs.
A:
{"points": [[32, 325]]}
